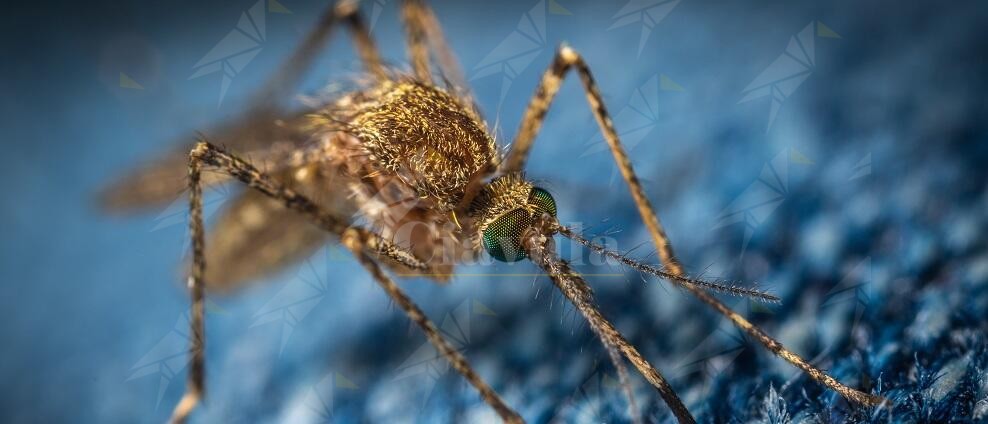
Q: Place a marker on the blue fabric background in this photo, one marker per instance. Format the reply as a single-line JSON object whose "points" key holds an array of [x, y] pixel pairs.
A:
{"points": [[861, 203]]}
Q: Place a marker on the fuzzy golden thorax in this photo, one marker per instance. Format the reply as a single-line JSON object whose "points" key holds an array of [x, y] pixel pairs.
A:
{"points": [[426, 137]]}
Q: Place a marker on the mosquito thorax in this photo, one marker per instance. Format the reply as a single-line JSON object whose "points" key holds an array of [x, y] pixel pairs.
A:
{"points": [[438, 144], [503, 210]]}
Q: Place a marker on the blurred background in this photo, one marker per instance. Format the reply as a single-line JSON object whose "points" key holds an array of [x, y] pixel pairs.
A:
{"points": [[834, 153]]}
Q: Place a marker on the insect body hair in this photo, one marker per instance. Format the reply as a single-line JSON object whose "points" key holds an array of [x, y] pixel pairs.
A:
{"points": [[426, 137]]}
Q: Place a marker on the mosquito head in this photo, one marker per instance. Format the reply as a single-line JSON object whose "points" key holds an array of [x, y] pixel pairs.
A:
{"points": [[504, 209]]}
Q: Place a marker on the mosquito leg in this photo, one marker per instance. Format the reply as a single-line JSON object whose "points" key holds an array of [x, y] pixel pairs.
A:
{"points": [[292, 70], [567, 59], [531, 121], [354, 243], [625, 382], [418, 51], [424, 33], [572, 285], [205, 154], [246, 173], [195, 389]]}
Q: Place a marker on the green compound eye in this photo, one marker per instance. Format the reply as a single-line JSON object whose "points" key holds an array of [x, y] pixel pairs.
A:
{"points": [[502, 239], [543, 202]]}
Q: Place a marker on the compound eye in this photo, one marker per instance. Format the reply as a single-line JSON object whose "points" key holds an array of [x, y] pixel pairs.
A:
{"points": [[542, 201], [502, 238]]}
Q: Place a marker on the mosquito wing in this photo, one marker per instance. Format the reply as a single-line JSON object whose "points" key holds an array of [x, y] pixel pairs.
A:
{"points": [[163, 180], [256, 236]]}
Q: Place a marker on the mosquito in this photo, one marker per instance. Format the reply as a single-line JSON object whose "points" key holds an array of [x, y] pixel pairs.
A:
{"points": [[404, 138]]}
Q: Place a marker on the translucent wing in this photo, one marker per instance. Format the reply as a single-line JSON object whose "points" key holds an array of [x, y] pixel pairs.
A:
{"points": [[257, 236], [164, 179]]}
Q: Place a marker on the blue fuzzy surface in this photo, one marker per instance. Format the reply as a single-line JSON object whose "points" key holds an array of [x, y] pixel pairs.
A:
{"points": [[860, 199]]}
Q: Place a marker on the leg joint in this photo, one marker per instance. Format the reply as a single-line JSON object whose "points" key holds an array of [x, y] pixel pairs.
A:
{"points": [[569, 55], [200, 151], [346, 8]]}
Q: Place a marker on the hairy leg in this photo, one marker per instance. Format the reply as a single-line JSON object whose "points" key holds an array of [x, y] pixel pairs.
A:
{"points": [[425, 33], [571, 284], [567, 59], [345, 12], [360, 241], [418, 50], [205, 154], [354, 243]]}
